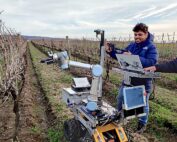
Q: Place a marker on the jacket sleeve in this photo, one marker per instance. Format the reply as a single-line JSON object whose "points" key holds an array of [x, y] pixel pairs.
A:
{"points": [[168, 67], [113, 54], [151, 57]]}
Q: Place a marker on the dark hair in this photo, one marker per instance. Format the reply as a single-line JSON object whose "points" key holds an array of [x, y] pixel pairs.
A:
{"points": [[141, 27]]}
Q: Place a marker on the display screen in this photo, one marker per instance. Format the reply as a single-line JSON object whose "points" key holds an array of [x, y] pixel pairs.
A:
{"points": [[134, 97]]}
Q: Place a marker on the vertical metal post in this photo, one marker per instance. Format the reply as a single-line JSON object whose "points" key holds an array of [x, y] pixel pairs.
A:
{"points": [[100, 80], [102, 52]]}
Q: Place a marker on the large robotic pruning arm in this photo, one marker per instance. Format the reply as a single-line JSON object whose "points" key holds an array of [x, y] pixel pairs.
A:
{"points": [[62, 59], [64, 63]]}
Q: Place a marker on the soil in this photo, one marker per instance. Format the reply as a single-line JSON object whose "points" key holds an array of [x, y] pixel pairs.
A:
{"points": [[7, 120], [33, 118]]}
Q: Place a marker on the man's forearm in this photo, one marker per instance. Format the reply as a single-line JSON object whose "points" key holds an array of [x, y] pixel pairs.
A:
{"points": [[169, 67]]}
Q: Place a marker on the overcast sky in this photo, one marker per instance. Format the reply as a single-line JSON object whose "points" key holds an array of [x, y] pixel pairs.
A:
{"points": [[78, 18]]}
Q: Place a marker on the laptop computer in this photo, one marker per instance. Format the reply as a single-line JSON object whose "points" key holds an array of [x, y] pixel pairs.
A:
{"points": [[130, 62]]}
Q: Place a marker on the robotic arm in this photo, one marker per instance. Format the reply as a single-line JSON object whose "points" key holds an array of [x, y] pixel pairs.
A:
{"points": [[97, 70], [64, 63]]}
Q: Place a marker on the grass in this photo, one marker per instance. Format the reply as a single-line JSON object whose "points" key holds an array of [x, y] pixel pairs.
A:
{"points": [[163, 116], [54, 135], [166, 98], [65, 78], [35, 130], [52, 81], [115, 78]]}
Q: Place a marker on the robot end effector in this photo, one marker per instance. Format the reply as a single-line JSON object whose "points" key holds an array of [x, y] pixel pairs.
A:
{"points": [[61, 58]]}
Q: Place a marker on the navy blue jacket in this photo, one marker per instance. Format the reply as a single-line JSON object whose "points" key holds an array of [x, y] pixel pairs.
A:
{"points": [[168, 67], [148, 56]]}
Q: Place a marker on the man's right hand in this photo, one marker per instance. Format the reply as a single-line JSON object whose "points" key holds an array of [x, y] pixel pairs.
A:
{"points": [[107, 47]]}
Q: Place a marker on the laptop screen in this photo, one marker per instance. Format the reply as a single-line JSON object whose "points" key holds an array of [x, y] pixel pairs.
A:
{"points": [[130, 62]]}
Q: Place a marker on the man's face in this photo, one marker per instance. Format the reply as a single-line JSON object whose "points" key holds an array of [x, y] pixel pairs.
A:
{"points": [[140, 36]]}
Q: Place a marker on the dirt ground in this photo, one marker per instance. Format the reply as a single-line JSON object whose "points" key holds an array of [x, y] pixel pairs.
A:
{"points": [[7, 121], [31, 122]]}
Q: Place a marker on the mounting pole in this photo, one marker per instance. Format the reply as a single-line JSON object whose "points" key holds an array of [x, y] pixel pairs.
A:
{"points": [[102, 52]]}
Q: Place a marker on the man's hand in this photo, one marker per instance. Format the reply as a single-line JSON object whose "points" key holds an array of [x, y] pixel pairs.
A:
{"points": [[127, 53], [107, 47], [152, 68]]}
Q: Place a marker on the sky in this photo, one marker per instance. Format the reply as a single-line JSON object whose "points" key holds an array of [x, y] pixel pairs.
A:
{"points": [[79, 18]]}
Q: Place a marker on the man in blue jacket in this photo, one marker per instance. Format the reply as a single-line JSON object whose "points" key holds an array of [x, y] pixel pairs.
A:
{"points": [[145, 48]]}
